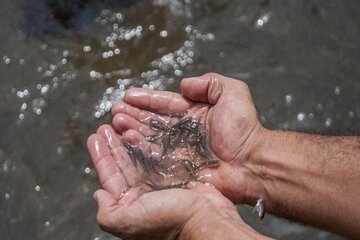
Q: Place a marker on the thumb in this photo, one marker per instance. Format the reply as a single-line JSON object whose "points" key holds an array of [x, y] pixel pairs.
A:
{"points": [[206, 88], [105, 201]]}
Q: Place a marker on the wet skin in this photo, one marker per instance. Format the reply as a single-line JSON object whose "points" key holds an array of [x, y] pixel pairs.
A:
{"points": [[215, 101], [130, 213]]}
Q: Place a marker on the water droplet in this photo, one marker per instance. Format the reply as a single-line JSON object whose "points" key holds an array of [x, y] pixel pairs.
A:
{"points": [[7, 195], [262, 20], [178, 72], [47, 224], [44, 89], [87, 170], [288, 99], [37, 188], [163, 33], [43, 47], [23, 107], [105, 55], [337, 90], [22, 94], [328, 122], [66, 54], [221, 54], [151, 27], [301, 116], [188, 28], [351, 114], [319, 107], [59, 150], [87, 48], [7, 60]]}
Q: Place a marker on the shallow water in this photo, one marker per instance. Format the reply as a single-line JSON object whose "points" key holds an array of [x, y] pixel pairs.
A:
{"points": [[61, 67]]}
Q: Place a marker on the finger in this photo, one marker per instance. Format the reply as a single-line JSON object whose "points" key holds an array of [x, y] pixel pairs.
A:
{"points": [[109, 174], [206, 88], [107, 204], [105, 201], [123, 122], [157, 101], [119, 154], [139, 114], [113, 215]]}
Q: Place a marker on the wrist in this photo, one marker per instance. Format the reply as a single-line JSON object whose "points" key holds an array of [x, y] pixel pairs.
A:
{"points": [[254, 165], [217, 223]]}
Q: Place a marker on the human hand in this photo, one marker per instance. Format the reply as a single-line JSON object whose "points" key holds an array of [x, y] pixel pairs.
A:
{"points": [[127, 211], [226, 109]]}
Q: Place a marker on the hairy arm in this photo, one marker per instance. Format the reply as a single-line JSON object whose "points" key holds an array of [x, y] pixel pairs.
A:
{"points": [[311, 179]]}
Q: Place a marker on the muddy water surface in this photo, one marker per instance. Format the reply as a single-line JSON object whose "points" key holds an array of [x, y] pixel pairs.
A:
{"points": [[63, 63]]}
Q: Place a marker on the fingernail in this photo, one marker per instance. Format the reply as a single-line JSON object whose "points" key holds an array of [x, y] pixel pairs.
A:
{"points": [[95, 197], [192, 79]]}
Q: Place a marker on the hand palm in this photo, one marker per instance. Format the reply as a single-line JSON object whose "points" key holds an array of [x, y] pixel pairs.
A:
{"points": [[229, 125], [128, 211]]}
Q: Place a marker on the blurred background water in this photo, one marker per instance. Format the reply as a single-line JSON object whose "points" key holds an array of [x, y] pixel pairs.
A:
{"points": [[63, 63]]}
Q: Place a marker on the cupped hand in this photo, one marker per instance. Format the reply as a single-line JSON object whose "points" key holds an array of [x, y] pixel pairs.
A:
{"points": [[126, 210], [226, 109]]}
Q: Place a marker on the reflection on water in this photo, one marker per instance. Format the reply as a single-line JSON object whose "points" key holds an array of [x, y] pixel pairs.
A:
{"points": [[63, 64]]}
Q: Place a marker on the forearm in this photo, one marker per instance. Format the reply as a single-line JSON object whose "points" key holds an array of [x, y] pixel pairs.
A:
{"points": [[312, 179], [218, 224]]}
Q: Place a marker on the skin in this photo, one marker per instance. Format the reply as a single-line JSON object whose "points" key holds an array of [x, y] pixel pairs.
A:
{"points": [[306, 178], [130, 212]]}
